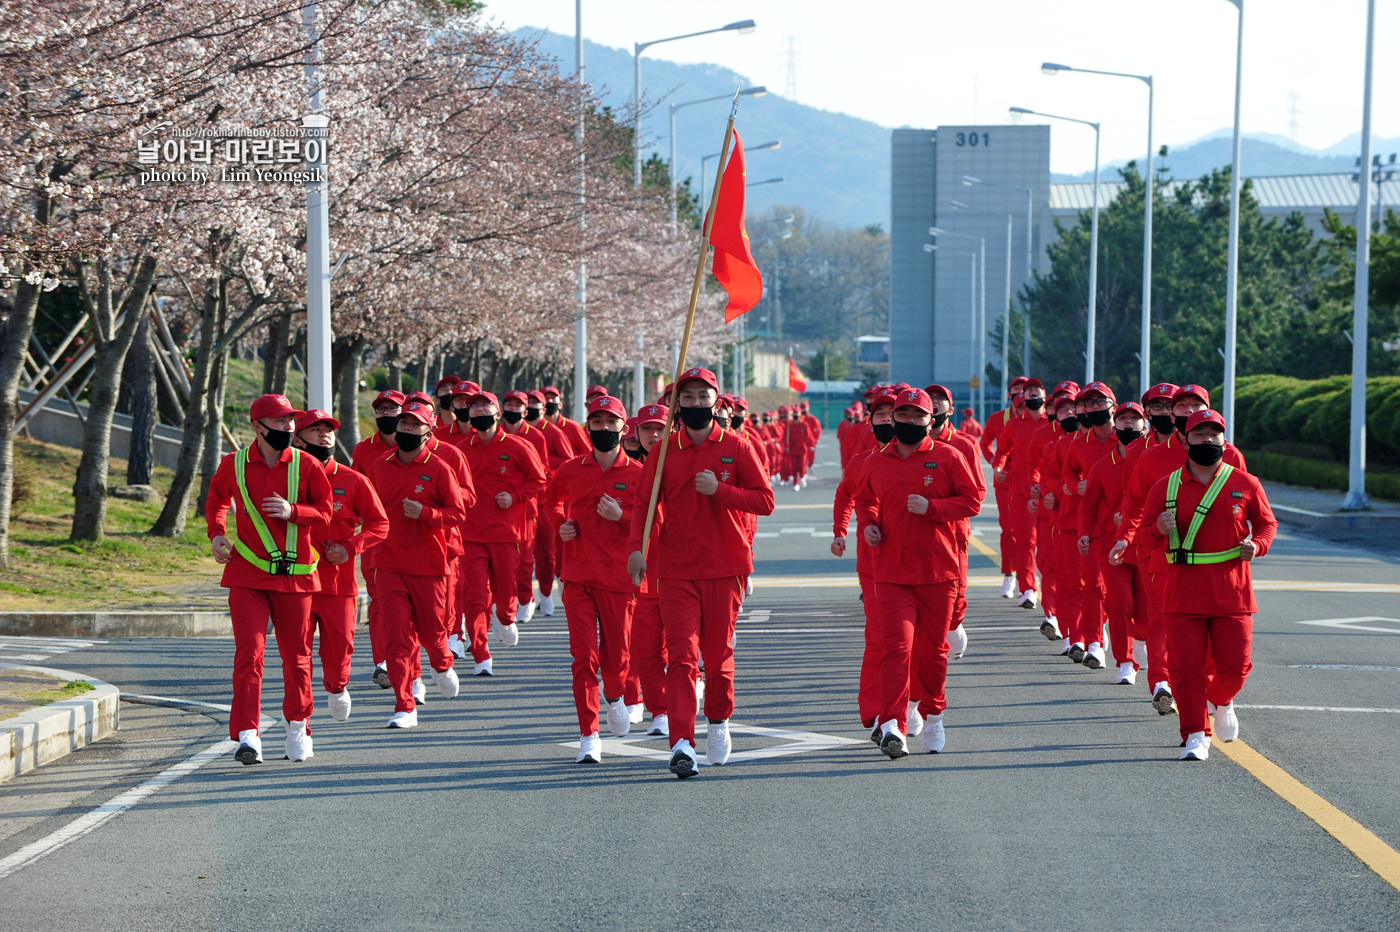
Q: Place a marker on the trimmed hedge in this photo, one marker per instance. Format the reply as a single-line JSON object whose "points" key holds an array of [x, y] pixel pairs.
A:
{"points": [[1296, 470], [1270, 408]]}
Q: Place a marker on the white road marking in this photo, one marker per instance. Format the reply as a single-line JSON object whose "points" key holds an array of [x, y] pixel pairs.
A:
{"points": [[24, 647], [1356, 624], [1315, 708], [765, 534], [1341, 666], [799, 742], [797, 530]]}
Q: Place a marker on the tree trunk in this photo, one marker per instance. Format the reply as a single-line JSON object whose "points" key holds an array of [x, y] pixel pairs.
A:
{"points": [[109, 358], [141, 385], [395, 370], [279, 332], [213, 434], [347, 357]]}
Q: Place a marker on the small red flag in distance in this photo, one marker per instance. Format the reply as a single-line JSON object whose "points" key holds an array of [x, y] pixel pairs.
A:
{"points": [[733, 265], [795, 380]]}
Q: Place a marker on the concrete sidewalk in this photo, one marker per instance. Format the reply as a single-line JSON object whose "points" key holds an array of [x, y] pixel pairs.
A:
{"points": [[48, 732]]}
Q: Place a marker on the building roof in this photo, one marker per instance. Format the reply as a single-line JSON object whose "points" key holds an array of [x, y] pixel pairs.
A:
{"points": [[1276, 193]]}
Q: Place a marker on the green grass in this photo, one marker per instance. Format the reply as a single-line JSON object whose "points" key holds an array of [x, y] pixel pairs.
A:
{"points": [[40, 697]]}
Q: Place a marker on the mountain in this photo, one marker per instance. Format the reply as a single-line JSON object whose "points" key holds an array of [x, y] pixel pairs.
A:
{"points": [[834, 165]]}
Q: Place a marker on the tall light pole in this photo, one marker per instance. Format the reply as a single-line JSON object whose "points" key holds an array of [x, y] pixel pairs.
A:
{"points": [[1145, 350], [1030, 259], [972, 281], [1356, 499], [1005, 307], [742, 365], [744, 27], [1232, 271], [1089, 347], [748, 150], [581, 285], [973, 336], [318, 261], [755, 184], [759, 91], [639, 376]]}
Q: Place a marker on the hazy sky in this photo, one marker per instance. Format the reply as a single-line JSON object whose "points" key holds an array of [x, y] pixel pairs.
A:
{"points": [[908, 63]]}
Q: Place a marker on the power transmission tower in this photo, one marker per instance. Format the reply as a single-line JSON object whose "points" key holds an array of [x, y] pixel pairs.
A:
{"points": [[1293, 98], [792, 66]]}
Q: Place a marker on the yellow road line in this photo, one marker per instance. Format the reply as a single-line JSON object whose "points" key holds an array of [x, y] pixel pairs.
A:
{"points": [[982, 548], [1372, 852]]}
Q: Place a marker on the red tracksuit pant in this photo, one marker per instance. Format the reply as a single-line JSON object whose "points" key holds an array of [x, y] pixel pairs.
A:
{"points": [[914, 622], [960, 606], [698, 616], [1069, 584], [546, 556], [600, 624], [291, 619], [1209, 663], [868, 693], [486, 575], [378, 636], [334, 616], [648, 654], [1024, 524], [414, 607], [1008, 535], [1091, 604], [1044, 560], [1158, 645], [1119, 583], [525, 568]]}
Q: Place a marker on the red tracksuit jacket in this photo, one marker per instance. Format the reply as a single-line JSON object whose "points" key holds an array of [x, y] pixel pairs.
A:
{"points": [[418, 546], [354, 504], [598, 555], [505, 463]]}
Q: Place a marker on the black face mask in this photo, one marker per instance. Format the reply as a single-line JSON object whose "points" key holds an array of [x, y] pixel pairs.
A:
{"points": [[279, 440], [1179, 422], [1096, 418], [884, 433], [737, 421], [483, 422], [551, 408], [1162, 423], [533, 414], [321, 453], [756, 420], [1127, 436], [1035, 404], [512, 417], [604, 441], [697, 418], [1069, 424], [462, 415], [640, 455], [1205, 454], [911, 434], [936, 425], [409, 443], [387, 424], [445, 403]]}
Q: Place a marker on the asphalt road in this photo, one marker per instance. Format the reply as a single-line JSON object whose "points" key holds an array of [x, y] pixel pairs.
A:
{"points": [[1058, 803]]}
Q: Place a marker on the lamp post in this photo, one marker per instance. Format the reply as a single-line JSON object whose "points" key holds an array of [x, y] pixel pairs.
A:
{"points": [[759, 91], [765, 147], [934, 247], [1005, 307], [741, 348], [754, 184], [1145, 349], [973, 341], [1093, 241], [318, 271], [1232, 271], [581, 283], [639, 376], [744, 27], [1356, 499], [1030, 258]]}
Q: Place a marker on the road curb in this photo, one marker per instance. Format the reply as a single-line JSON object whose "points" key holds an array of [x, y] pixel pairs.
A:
{"points": [[186, 624], [1334, 521], [46, 733]]}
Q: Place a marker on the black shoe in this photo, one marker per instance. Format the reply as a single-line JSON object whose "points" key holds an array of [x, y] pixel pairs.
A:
{"points": [[683, 765], [381, 677], [1076, 653], [245, 755], [893, 747]]}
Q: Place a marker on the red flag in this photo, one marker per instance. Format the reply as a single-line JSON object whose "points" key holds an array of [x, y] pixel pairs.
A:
{"points": [[733, 265], [795, 380]]}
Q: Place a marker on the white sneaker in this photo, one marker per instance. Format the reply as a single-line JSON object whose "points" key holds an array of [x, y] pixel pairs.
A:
{"points": [[914, 722], [298, 746], [526, 612], [381, 676], [683, 761], [1094, 656], [1050, 628], [547, 606], [458, 648], [718, 744], [340, 705], [1028, 599], [933, 737], [510, 635], [892, 742], [483, 668], [1077, 652], [447, 682], [1140, 654], [637, 713], [1226, 724], [660, 726], [957, 642], [619, 718], [1008, 587], [420, 692], [1197, 747], [590, 750], [1066, 646], [404, 720], [1162, 699], [249, 747], [1127, 675]]}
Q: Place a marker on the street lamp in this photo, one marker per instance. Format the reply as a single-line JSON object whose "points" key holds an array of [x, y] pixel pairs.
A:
{"points": [[1356, 459], [933, 247], [973, 341], [755, 92], [970, 181], [743, 27], [767, 146], [1093, 241], [1005, 307], [1232, 269], [754, 184], [1145, 351]]}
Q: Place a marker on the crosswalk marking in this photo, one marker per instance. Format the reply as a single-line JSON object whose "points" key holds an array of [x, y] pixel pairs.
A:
{"points": [[24, 649]]}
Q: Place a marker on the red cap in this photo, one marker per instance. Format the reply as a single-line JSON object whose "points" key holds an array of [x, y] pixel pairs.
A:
{"points": [[467, 385], [1066, 387], [315, 416], [939, 390], [445, 381], [424, 397], [1031, 383], [551, 390], [514, 394], [726, 399], [1096, 388], [888, 398], [483, 396], [968, 412], [595, 390], [651, 414], [631, 429], [1162, 391], [1196, 390], [1131, 407], [1016, 383], [609, 404], [1204, 417], [805, 405], [272, 406], [420, 412], [740, 404], [784, 409], [914, 397], [535, 394], [390, 396], [701, 374]]}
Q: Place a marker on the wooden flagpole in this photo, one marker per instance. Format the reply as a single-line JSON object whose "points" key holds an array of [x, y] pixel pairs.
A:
{"points": [[690, 320]]}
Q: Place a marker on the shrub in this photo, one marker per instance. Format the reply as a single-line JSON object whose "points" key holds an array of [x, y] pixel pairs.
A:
{"points": [[1297, 470], [378, 379]]}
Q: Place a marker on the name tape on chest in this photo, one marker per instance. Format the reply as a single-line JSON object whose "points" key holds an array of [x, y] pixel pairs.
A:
{"points": [[726, 459], [620, 485]]}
